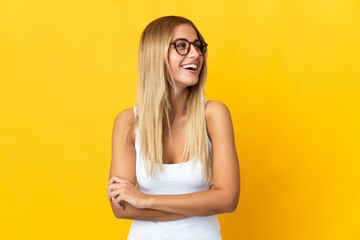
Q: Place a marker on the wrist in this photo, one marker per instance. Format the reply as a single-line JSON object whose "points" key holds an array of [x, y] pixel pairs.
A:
{"points": [[150, 201]]}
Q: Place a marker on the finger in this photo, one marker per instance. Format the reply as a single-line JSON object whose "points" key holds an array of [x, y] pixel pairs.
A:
{"points": [[118, 204], [115, 186], [109, 194], [120, 197], [114, 179], [114, 201], [114, 194], [122, 206], [111, 187], [120, 180]]}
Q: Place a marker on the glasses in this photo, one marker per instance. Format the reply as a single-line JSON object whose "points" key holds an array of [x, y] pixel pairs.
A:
{"points": [[183, 46]]}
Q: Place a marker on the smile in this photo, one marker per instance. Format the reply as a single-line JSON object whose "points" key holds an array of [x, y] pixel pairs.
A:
{"points": [[190, 66]]}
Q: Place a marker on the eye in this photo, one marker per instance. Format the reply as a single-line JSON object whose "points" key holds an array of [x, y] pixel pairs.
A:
{"points": [[181, 44], [198, 45]]}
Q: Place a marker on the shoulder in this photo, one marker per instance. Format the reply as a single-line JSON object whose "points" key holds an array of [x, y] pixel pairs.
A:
{"points": [[125, 115], [216, 109], [218, 117], [123, 121]]}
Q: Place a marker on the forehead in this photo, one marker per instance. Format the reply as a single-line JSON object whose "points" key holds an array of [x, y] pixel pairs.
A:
{"points": [[184, 31]]}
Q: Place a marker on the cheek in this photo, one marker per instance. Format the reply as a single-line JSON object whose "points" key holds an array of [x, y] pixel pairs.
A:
{"points": [[173, 69], [174, 64], [201, 64]]}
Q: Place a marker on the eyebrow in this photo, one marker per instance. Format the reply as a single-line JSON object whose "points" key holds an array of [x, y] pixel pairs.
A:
{"points": [[185, 39]]}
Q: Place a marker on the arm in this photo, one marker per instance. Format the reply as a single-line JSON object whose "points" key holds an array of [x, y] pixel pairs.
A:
{"points": [[224, 195], [123, 165], [134, 213]]}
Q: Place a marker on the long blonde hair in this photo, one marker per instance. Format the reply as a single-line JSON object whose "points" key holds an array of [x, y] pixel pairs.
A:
{"points": [[153, 109]]}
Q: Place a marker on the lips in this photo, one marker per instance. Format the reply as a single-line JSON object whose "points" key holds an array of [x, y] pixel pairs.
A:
{"points": [[192, 67], [191, 71], [191, 63]]}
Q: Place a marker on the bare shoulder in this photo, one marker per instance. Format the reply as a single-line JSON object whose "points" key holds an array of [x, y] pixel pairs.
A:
{"points": [[216, 111], [123, 120], [218, 117], [214, 107], [126, 115]]}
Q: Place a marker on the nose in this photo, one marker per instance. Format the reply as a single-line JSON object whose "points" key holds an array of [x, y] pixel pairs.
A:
{"points": [[193, 52]]}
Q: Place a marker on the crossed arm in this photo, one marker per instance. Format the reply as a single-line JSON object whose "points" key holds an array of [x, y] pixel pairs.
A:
{"points": [[130, 203]]}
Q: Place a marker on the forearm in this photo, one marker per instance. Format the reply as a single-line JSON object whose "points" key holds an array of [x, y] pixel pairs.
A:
{"points": [[203, 203], [134, 213]]}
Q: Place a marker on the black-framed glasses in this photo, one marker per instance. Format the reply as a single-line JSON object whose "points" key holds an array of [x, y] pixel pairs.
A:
{"points": [[183, 46]]}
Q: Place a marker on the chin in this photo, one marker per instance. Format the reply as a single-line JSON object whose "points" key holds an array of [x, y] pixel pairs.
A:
{"points": [[187, 83]]}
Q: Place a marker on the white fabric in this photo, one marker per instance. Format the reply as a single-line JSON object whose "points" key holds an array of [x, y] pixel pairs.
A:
{"points": [[174, 179]]}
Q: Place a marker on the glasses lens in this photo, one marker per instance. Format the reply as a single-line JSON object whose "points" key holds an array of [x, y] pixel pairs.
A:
{"points": [[200, 46], [203, 48], [182, 46]]}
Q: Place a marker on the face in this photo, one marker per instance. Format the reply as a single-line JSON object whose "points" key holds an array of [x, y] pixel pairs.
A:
{"points": [[184, 77]]}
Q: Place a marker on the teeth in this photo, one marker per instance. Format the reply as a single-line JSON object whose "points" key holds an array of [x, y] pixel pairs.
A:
{"points": [[190, 66]]}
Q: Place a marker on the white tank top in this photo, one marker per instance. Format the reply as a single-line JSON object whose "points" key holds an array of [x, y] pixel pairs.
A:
{"points": [[180, 178]]}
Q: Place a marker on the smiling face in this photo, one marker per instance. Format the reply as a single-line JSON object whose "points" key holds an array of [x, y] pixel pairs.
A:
{"points": [[184, 77]]}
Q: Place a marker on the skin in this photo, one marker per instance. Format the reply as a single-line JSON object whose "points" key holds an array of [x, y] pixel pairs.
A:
{"points": [[130, 203], [182, 77]]}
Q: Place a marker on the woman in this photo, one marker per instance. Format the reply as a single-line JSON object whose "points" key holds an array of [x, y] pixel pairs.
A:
{"points": [[174, 163]]}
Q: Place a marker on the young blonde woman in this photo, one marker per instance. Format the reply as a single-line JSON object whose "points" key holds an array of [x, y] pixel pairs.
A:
{"points": [[174, 164]]}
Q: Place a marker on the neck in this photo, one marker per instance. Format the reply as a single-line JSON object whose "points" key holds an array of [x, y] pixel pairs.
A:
{"points": [[178, 102]]}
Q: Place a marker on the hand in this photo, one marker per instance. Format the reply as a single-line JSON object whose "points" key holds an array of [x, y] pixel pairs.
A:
{"points": [[118, 205], [123, 190]]}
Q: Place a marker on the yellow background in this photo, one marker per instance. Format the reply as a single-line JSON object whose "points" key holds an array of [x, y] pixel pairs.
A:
{"points": [[289, 72]]}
